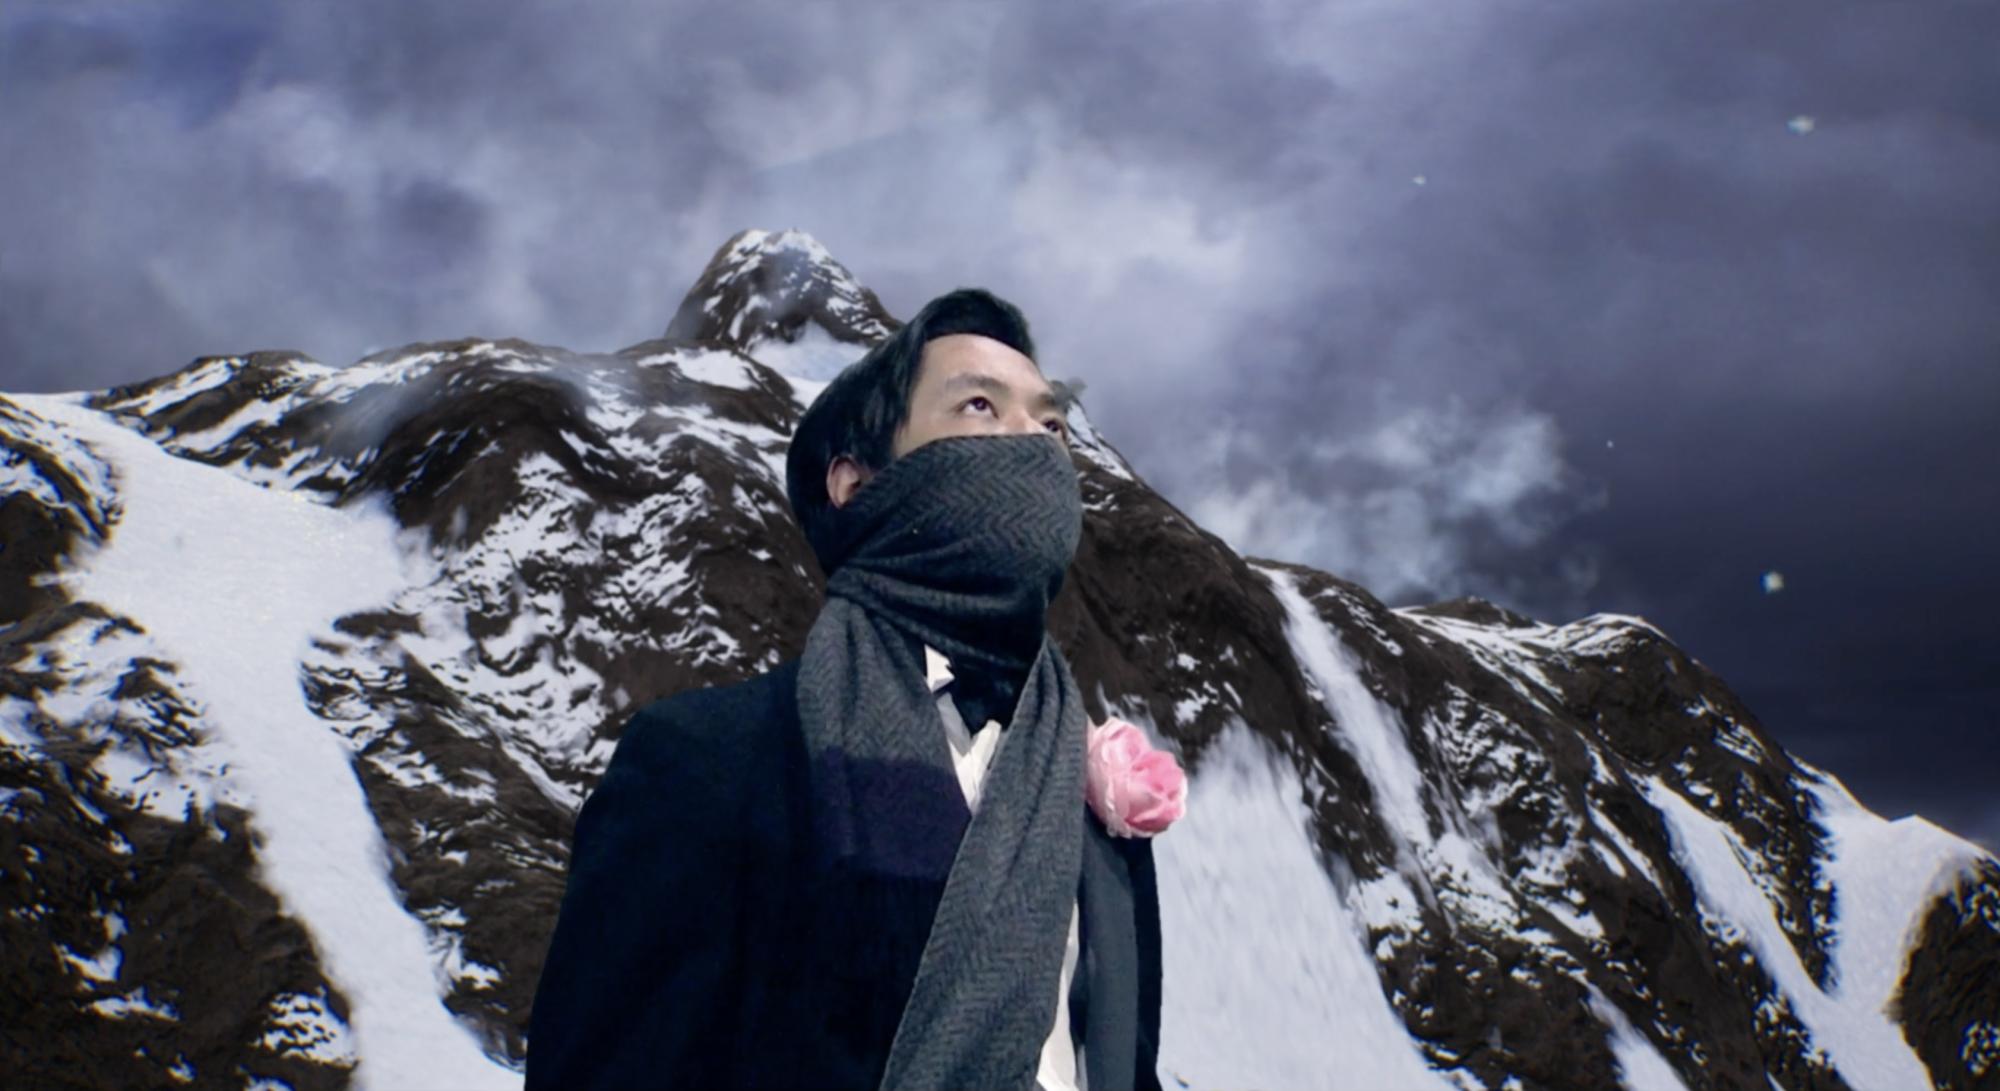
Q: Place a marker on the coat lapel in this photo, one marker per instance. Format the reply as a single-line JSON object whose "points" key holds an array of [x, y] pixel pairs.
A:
{"points": [[1104, 1000]]}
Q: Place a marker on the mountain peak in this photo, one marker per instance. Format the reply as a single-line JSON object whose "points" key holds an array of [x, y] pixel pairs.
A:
{"points": [[763, 287]]}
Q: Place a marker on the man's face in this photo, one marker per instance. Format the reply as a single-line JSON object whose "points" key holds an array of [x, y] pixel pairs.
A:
{"points": [[966, 385], [971, 385]]}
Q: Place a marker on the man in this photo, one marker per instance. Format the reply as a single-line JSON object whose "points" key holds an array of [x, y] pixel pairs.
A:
{"points": [[822, 877]]}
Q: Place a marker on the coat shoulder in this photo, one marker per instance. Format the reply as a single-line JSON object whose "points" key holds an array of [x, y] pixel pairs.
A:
{"points": [[642, 980], [715, 721]]}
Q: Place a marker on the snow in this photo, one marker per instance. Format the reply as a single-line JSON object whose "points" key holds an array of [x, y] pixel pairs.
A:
{"points": [[1449, 861], [1187, 708], [1640, 1066], [1516, 654], [19, 476], [1884, 874], [133, 1003], [82, 666], [28, 430], [1386, 902], [1085, 441], [805, 391], [791, 238], [236, 616], [302, 1026], [248, 415], [206, 376], [1266, 980], [1611, 859], [1605, 635], [341, 384], [101, 967], [1472, 888], [1980, 1048], [528, 676], [1512, 655], [814, 358], [1573, 917], [752, 445], [1367, 729], [724, 369]]}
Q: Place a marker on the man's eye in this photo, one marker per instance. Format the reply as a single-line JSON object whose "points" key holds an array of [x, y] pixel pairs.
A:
{"points": [[978, 401], [1056, 426]]}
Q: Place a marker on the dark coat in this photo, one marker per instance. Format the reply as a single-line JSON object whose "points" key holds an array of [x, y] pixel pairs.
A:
{"points": [[697, 947]]}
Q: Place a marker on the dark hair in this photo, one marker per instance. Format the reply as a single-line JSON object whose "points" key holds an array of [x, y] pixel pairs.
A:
{"points": [[860, 411]]}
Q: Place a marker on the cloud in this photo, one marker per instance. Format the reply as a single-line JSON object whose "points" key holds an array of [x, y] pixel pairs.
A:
{"points": [[1089, 221], [1430, 503], [1208, 211]]}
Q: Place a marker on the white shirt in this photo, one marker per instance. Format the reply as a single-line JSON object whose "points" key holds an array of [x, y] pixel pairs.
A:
{"points": [[971, 754]]}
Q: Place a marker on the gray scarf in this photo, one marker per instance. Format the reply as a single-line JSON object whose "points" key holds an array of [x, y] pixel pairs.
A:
{"points": [[960, 544]]}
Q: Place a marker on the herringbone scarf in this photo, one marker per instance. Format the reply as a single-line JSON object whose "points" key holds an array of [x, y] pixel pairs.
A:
{"points": [[960, 544]]}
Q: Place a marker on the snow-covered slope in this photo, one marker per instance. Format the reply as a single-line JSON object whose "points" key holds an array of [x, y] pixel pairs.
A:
{"points": [[305, 671], [233, 612]]}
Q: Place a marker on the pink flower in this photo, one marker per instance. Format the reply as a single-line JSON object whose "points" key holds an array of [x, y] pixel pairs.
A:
{"points": [[1136, 790]]}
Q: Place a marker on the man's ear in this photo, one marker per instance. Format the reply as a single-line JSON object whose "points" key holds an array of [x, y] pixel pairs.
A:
{"points": [[844, 478]]}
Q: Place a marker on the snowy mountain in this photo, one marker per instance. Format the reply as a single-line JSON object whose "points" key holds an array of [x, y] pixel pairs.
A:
{"points": [[782, 299], [305, 671]]}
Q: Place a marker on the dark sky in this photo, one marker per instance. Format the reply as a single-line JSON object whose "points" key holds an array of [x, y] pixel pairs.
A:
{"points": [[1582, 305]]}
